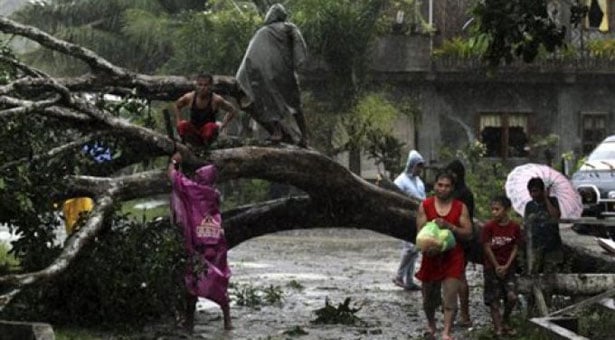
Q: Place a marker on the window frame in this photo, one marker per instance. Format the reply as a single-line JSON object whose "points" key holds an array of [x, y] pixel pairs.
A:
{"points": [[610, 9], [503, 153], [588, 146]]}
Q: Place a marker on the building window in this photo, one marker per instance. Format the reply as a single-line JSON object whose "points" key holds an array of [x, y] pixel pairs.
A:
{"points": [[593, 130], [598, 15], [504, 134]]}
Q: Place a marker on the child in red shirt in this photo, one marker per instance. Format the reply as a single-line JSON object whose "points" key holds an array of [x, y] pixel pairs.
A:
{"points": [[501, 239]]}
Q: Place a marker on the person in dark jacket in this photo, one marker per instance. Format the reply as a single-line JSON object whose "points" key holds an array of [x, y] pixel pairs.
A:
{"points": [[465, 195]]}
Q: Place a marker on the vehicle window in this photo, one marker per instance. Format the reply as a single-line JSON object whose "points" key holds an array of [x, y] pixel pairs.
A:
{"points": [[602, 152]]}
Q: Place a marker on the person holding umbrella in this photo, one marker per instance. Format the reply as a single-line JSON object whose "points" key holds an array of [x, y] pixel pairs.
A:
{"points": [[541, 217]]}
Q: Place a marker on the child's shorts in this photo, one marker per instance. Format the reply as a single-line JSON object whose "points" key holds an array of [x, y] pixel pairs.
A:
{"points": [[496, 288]]}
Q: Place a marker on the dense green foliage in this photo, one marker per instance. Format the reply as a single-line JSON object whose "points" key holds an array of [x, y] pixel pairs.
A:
{"points": [[181, 37], [463, 48], [25, 189], [214, 40], [32, 189], [129, 33], [129, 275], [340, 32], [602, 48], [516, 29], [7, 261]]}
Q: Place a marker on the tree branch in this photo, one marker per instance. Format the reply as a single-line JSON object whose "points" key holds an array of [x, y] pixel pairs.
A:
{"points": [[96, 63], [60, 150], [22, 107]]}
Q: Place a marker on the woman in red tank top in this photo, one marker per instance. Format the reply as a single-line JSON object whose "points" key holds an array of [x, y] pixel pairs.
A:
{"points": [[450, 263], [444, 269]]}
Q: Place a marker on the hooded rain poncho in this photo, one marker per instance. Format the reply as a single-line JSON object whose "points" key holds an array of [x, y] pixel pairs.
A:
{"points": [[195, 207], [267, 71]]}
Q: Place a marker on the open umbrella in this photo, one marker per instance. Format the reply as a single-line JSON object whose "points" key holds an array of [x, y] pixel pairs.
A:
{"points": [[559, 186]]}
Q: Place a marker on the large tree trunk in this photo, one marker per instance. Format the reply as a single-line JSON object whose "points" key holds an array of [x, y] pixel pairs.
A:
{"points": [[570, 284]]}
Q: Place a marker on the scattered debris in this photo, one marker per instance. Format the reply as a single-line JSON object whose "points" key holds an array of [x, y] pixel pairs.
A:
{"points": [[342, 314]]}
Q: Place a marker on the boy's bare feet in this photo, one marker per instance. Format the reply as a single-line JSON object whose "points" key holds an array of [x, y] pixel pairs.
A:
{"points": [[447, 337], [430, 333]]}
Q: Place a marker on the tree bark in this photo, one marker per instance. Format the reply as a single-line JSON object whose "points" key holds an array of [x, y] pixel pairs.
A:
{"points": [[570, 284]]}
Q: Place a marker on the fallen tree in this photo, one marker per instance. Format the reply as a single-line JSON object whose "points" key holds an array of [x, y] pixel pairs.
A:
{"points": [[334, 197]]}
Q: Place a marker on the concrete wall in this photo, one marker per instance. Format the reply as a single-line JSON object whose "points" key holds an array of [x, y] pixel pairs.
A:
{"points": [[451, 97], [399, 53], [450, 111]]}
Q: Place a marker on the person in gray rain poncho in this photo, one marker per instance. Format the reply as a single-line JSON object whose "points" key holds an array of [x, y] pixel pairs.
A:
{"points": [[267, 77], [411, 184]]}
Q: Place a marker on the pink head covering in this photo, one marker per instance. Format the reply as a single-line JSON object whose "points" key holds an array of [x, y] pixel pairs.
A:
{"points": [[194, 201], [206, 175]]}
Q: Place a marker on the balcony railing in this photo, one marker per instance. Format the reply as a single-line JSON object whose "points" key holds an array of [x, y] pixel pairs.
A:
{"points": [[589, 64]]}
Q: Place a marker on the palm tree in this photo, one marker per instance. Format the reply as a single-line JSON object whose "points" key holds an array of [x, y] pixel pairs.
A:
{"points": [[130, 33], [148, 36]]}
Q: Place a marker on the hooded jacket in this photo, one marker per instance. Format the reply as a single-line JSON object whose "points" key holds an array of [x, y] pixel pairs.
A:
{"points": [[411, 185]]}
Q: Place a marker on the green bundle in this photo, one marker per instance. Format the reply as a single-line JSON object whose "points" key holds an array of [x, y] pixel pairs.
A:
{"points": [[433, 240]]}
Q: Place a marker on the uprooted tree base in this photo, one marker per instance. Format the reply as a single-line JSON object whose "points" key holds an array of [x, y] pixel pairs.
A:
{"points": [[335, 197]]}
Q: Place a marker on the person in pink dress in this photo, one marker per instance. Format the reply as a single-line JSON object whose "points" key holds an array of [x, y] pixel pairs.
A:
{"points": [[195, 205]]}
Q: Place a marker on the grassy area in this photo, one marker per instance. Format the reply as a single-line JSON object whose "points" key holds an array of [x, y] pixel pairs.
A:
{"points": [[525, 331], [75, 334], [594, 323], [7, 261], [129, 207]]}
